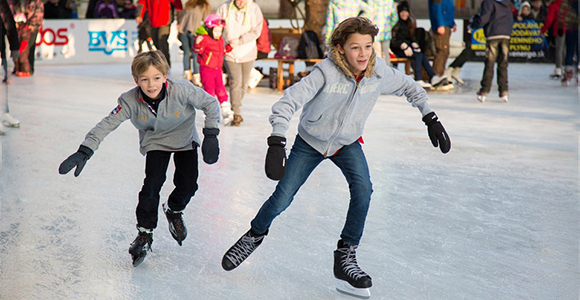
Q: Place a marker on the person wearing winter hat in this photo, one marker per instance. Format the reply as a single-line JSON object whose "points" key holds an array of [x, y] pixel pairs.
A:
{"points": [[209, 45]]}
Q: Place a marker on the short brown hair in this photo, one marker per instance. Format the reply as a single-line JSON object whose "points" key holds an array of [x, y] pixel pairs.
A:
{"points": [[144, 60], [360, 25]]}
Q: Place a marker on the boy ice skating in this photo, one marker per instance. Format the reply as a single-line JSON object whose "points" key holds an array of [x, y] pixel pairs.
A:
{"points": [[209, 45], [336, 99], [164, 113]]}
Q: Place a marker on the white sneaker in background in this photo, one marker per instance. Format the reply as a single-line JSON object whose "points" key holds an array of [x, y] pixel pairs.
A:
{"points": [[424, 84], [481, 97], [504, 97], [455, 75], [197, 80], [255, 78], [227, 113]]}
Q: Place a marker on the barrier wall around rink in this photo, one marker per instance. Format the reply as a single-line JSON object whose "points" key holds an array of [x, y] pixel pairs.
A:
{"points": [[62, 42]]}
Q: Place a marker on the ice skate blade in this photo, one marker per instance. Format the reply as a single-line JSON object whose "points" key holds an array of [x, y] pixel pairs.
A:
{"points": [[138, 260], [17, 125], [347, 289]]}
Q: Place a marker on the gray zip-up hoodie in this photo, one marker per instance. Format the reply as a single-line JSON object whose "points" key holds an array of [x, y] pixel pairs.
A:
{"points": [[172, 129], [335, 107]]}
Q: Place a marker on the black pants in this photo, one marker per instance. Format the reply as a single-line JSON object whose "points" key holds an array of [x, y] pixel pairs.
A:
{"points": [[160, 36], [185, 180]]}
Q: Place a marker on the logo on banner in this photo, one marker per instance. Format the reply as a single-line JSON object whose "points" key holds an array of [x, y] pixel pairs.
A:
{"points": [[108, 42], [52, 37]]}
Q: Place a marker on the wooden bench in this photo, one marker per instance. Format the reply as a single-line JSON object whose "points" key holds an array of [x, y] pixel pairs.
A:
{"points": [[291, 61]]}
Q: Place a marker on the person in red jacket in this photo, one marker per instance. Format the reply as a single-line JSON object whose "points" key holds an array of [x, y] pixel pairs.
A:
{"points": [[159, 12], [555, 26], [210, 47]]}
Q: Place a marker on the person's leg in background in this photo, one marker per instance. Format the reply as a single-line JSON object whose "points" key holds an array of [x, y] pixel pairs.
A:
{"points": [[160, 36], [502, 68], [386, 45]]}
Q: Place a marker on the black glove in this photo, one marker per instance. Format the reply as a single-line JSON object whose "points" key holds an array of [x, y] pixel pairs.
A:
{"points": [[437, 132], [276, 158], [78, 159], [210, 148]]}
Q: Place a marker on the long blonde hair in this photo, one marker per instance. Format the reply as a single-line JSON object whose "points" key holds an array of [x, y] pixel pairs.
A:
{"points": [[195, 3]]}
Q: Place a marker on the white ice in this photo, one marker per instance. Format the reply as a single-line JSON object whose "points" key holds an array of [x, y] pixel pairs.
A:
{"points": [[496, 218]]}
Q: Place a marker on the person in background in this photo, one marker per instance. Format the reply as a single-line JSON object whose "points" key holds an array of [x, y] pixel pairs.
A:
{"points": [[384, 14], [209, 45], [404, 44], [159, 12], [194, 14], [539, 11], [106, 9], [28, 17], [340, 10], [497, 21], [8, 32], [264, 41], [243, 27], [442, 17], [129, 10], [558, 33], [164, 113], [525, 13], [569, 16], [335, 100], [57, 9]]}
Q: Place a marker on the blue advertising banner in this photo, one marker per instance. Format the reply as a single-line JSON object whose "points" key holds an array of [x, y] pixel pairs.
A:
{"points": [[527, 43]]}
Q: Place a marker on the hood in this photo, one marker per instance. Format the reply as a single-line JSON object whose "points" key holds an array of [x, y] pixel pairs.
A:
{"points": [[342, 64]]}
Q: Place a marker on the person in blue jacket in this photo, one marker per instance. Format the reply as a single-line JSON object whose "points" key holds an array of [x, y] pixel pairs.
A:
{"points": [[497, 21], [336, 99], [442, 17]]}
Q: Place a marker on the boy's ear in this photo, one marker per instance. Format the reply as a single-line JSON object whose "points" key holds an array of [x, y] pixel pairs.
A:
{"points": [[135, 78], [340, 50]]}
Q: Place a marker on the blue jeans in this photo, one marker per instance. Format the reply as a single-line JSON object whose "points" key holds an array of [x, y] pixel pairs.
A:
{"points": [[187, 40], [302, 161]]}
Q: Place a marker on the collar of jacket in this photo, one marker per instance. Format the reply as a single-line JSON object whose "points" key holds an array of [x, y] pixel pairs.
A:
{"points": [[343, 65]]}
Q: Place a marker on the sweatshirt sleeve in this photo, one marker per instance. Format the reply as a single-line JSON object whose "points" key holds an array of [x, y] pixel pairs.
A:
{"points": [[294, 99], [397, 83], [483, 17], [109, 123]]}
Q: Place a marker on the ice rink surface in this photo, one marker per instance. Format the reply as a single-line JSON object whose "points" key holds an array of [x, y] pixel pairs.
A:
{"points": [[496, 218]]}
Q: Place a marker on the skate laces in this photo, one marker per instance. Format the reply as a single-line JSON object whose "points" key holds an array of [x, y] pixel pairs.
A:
{"points": [[176, 220], [143, 240], [350, 264], [243, 248]]}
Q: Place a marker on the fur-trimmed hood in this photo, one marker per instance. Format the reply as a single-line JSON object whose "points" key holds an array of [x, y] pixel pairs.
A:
{"points": [[341, 62]]}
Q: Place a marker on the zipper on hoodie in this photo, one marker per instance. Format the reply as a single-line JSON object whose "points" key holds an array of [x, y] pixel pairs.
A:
{"points": [[342, 117], [208, 58]]}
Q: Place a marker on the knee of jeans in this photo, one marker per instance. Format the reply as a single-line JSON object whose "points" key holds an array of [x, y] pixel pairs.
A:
{"points": [[365, 188]]}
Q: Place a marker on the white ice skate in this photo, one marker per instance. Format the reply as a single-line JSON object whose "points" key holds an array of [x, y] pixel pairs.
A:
{"points": [[255, 78], [345, 288], [2, 131], [227, 113], [10, 121]]}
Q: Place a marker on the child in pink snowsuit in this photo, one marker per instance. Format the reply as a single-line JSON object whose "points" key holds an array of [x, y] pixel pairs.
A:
{"points": [[210, 47]]}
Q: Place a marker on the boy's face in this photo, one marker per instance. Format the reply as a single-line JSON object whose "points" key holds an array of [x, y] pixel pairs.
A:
{"points": [[151, 82], [357, 50]]}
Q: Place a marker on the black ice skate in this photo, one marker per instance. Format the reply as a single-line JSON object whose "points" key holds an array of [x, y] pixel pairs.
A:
{"points": [[351, 280], [141, 245], [242, 249], [176, 224]]}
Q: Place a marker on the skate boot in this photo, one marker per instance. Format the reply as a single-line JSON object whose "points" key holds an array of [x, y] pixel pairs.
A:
{"points": [[2, 131], [351, 280], [557, 74], [242, 249], [141, 245], [176, 224], [567, 77], [227, 113], [504, 96], [187, 75], [10, 121], [481, 96], [237, 120], [196, 79]]}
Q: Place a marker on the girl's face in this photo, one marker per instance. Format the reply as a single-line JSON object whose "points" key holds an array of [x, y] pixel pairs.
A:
{"points": [[526, 10], [357, 50], [404, 15], [151, 82], [240, 3], [217, 32]]}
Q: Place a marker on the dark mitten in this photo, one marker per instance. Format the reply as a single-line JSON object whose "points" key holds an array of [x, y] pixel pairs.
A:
{"points": [[78, 159], [276, 157], [210, 148], [437, 133]]}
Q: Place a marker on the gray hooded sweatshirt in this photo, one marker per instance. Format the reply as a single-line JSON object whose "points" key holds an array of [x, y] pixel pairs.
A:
{"points": [[335, 107], [172, 129]]}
